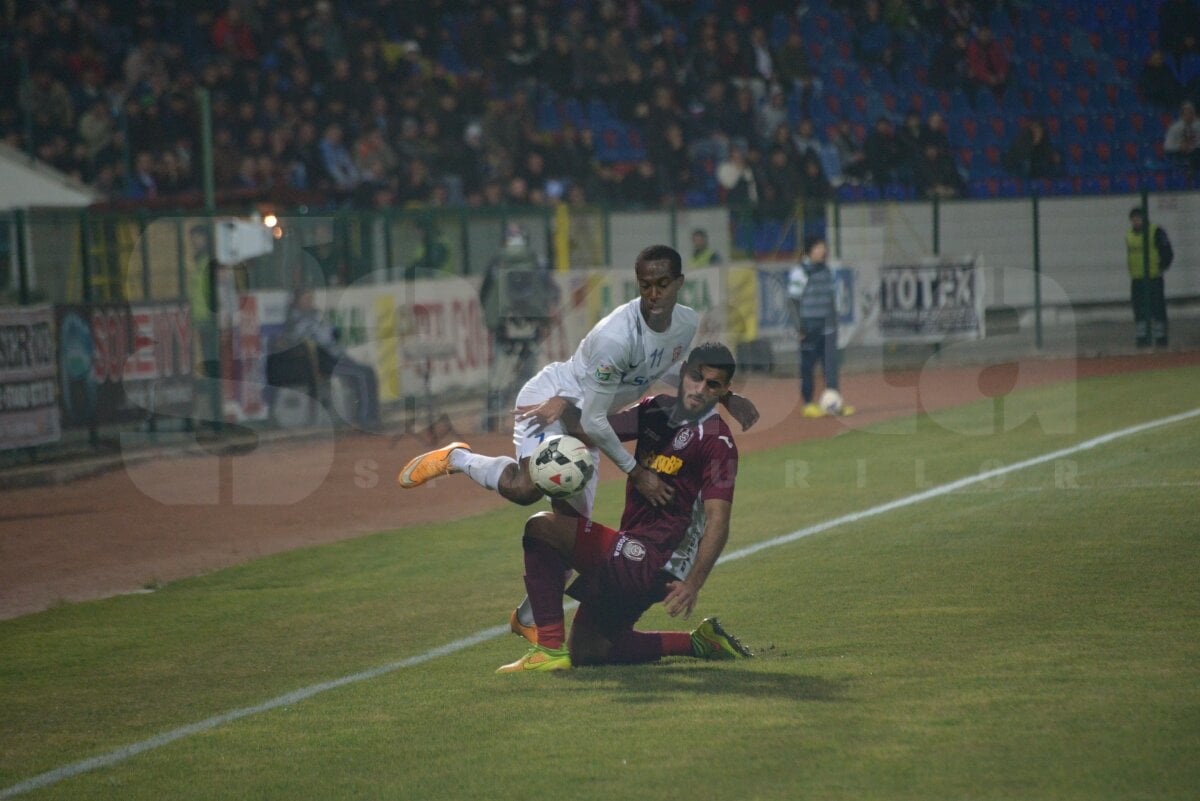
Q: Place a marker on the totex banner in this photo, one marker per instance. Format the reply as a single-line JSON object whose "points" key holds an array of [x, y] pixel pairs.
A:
{"points": [[930, 301], [28, 385]]}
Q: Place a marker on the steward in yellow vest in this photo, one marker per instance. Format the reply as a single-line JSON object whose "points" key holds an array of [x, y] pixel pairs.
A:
{"points": [[1146, 280]]}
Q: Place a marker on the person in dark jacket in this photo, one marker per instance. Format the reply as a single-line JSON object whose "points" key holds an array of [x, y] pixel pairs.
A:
{"points": [[1031, 155], [812, 294], [1146, 279]]}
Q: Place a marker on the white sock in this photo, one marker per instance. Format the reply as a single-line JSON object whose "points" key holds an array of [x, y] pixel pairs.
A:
{"points": [[483, 470]]}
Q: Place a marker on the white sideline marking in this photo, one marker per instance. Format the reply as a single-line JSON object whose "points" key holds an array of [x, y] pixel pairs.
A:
{"points": [[128, 751]]}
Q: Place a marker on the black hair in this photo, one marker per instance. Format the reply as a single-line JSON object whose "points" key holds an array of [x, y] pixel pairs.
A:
{"points": [[662, 253], [811, 241], [1136, 211], [714, 355]]}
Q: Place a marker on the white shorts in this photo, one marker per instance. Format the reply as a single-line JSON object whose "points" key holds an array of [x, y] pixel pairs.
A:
{"points": [[526, 438]]}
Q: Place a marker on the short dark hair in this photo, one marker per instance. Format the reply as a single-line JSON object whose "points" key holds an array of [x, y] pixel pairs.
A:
{"points": [[662, 253], [1136, 211], [811, 242], [714, 355]]}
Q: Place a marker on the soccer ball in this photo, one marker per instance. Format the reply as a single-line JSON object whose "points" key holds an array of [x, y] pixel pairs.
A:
{"points": [[831, 401], [561, 466]]}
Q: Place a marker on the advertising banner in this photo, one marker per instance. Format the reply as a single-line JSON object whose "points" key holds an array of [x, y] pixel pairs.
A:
{"points": [[121, 363], [28, 386]]}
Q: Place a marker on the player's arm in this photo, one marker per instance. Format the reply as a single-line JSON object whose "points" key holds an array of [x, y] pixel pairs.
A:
{"points": [[595, 424], [682, 595], [741, 407]]}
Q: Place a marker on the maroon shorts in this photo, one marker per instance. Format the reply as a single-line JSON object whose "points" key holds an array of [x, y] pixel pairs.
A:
{"points": [[620, 577]]}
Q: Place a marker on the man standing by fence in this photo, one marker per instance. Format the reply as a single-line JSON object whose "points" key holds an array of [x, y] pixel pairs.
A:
{"points": [[1146, 278]]}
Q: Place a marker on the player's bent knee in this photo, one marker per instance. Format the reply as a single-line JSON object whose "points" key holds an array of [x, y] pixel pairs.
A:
{"points": [[539, 527], [587, 647], [516, 486]]}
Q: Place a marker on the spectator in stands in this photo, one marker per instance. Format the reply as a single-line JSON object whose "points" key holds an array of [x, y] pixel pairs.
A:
{"points": [[794, 71], [642, 186], [804, 140], [988, 64], [1158, 84], [737, 179], [336, 159], [882, 153], [908, 142], [374, 158], [1031, 154], [852, 161], [47, 100], [814, 184], [935, 131], [674, 163], [1182, 142], [934, 174], [144, 183], [760, 52], [773, 113], [1179, 27], [872, 38], [96, 129], [781, 181], [741, 123], [948, 68]]}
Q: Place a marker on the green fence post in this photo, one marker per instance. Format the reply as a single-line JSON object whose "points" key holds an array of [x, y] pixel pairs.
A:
{"points": [[22, 259], [937, 225], [85, 255], [145, 249], [674, 226], [180, 264], [1037, 275]]}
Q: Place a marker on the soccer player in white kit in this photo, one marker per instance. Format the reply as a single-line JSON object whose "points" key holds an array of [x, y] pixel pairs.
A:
{"points": [[638, 343]]}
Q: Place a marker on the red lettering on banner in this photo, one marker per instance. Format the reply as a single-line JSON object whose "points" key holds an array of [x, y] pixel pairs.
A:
{"points": [[140, 363], [118, 346], [181, 330], [100, 346]]}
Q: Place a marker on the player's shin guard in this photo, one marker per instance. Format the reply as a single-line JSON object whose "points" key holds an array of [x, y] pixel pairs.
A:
{"points": [[483, 470], [544, 571]]}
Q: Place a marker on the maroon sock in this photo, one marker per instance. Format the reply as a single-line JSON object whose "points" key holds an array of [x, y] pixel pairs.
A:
{"points": [[545, 582], [646, 646]]}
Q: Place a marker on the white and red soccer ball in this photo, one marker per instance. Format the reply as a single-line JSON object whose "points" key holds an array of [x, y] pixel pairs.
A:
{"points": [[561, 466]]}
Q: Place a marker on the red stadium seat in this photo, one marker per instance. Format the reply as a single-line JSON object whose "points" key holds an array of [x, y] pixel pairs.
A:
{"points": [[1131, 151], [1108, 123], [1091, 67], [1060, 69], [1055, 95], [1054, 126], [992, 153], [1137, 121], [1083, 95], [1103, 153], [916, 101], [1036, 42], [1081, 124], [1033, 71], [970, 128], [967, 156], [1075, 153], [998, 126]]}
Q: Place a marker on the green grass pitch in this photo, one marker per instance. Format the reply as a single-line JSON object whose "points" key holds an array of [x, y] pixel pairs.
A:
{"points": [[1036, 636]]}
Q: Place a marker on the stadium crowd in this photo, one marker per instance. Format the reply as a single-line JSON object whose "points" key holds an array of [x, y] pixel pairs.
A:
{"points": [[377, 103]]}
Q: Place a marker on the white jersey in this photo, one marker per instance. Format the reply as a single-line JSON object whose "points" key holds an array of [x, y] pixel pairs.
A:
{"points": [[622, 354]]}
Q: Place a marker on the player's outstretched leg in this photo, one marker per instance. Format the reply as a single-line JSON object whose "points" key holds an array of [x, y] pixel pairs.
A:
{"points": [[430, 465], [711, 641], [497, 473]]}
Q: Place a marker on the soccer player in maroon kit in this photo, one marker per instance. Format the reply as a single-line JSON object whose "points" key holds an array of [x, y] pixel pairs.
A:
{"points": [[685, 441]]}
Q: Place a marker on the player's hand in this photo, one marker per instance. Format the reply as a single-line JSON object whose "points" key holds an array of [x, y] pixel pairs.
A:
{"points": [[681, 597], [544, 413], [651, 487], [742, 409]]}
